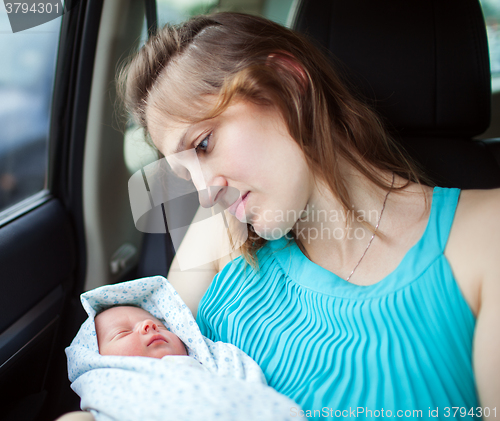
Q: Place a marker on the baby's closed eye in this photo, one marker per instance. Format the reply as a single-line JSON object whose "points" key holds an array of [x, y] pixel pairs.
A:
{"points": [[121, 334]]}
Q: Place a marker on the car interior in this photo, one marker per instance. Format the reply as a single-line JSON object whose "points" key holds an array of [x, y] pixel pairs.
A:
{"points": [[429, 68]]}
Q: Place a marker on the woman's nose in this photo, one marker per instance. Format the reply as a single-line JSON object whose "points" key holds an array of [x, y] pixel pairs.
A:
{"points": [[148, 325], [210, 185], [186, 165], [211, 195], [206, 179]]}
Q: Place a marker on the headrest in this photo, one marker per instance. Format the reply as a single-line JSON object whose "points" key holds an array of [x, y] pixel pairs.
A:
{"points": [[424, 63]]}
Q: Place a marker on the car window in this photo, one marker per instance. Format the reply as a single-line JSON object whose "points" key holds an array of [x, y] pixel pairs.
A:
{"points": [[491, 12], [176, 11], [279, 11], [27, 70]]}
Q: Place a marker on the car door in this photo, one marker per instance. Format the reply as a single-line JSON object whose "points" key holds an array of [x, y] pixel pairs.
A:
{"points": [[42, 246]]}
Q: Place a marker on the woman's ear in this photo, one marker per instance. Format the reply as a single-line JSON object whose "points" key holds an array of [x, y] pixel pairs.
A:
{"points": [[285, 62]]}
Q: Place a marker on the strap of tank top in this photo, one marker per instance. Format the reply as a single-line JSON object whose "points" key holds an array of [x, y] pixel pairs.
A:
{"points": [[444, 205]]}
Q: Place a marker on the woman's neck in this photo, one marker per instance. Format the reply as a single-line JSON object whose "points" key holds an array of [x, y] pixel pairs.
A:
{"points": [[329, 229]]}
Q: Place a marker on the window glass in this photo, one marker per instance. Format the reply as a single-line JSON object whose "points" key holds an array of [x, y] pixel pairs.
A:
{"points": [[176, 11], [491, 12], [27, 70], [279, 11]]}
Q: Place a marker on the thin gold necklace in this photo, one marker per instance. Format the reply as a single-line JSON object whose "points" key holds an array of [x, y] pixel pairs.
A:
{"points": [[375, 231]]}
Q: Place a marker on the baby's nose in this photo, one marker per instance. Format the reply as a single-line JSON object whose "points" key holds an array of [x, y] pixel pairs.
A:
{"points": [[148, 325]]}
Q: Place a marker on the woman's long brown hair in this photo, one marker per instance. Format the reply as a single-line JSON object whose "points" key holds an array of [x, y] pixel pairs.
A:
{"points": [[229, 56]]}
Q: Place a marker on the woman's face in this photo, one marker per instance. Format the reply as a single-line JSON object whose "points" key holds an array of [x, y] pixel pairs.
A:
{"points": [[248, 148]]}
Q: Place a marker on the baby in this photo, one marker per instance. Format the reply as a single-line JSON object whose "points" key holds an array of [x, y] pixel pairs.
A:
{"points": [[132, 331], [188, 379]]}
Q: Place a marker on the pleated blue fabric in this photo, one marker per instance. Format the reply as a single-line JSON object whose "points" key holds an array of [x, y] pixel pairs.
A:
{"points": [[402, 344]]}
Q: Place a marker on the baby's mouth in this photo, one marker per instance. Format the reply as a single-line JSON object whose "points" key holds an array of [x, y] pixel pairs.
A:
{"points": [[156, 338]]}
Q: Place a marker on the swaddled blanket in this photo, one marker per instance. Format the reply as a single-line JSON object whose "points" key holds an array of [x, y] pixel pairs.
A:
{"points": [[232, 386]]}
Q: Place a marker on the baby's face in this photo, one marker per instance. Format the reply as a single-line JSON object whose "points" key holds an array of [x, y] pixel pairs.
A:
{"points": [[133, 331]]}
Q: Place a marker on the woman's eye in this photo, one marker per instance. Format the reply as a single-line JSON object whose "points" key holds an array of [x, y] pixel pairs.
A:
{"points": [[203, 145]]}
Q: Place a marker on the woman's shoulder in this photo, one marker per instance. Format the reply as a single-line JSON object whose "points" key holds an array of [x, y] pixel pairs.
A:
{"points": [[478, 220], [473, 248], [477, 217], [480, 200]]}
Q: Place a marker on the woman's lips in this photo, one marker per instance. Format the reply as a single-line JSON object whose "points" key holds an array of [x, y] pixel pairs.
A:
{"points": [[156, 338], [238, 208]]}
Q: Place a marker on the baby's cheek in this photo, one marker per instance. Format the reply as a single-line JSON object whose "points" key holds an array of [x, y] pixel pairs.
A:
{"points": [[180, 348], [123, 348], [137, 349]]}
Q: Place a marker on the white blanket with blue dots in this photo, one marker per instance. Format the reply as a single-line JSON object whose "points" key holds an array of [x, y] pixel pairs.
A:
{"points": [[231, 387]]}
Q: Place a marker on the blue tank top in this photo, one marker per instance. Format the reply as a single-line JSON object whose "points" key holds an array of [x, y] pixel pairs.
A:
{"points": [[402, 344]]}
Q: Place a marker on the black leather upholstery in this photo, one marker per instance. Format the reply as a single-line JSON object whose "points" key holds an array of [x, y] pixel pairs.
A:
{"points": [[424, 66]]}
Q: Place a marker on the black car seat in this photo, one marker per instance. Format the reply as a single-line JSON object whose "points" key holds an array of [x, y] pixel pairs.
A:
{"points": [[424, 66]]}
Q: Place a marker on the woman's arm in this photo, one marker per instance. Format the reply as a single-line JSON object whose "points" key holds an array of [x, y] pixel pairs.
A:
{"points": [[191, 284], [486, 351], [473, 251], [77, 416]]}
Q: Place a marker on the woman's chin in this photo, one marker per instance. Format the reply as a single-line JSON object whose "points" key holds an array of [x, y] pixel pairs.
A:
{"points": [[271, 233]]}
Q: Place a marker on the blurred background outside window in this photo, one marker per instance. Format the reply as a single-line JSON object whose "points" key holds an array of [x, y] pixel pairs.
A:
{"points": [[27, 70], [491, 12]]}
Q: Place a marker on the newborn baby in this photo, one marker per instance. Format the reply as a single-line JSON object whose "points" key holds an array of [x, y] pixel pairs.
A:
{"points": [[132, 331], [187, 378], [128, 330]]}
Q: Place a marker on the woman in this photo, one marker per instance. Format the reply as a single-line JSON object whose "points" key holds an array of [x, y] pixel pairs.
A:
{"points": [[360, 287]]}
